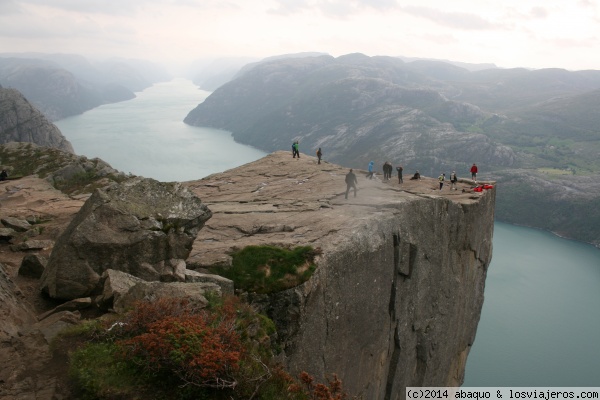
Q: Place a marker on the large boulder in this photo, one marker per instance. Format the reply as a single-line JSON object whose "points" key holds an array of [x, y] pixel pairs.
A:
{"points": [[141, 226]]}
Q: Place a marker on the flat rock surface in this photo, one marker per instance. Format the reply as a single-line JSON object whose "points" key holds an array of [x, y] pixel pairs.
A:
{"points": [[280, 200]]}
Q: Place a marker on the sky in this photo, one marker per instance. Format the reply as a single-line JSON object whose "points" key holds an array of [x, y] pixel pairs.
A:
{"points": [[508, 33]]}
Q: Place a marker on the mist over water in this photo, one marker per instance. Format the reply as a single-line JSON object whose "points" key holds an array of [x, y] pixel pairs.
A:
{"points": [[540, 322], [146, 136]]}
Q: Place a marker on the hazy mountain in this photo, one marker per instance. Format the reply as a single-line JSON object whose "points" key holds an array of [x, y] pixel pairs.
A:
{"points": [[464, 65], [356, 107], [210, 74], [61, 85]]}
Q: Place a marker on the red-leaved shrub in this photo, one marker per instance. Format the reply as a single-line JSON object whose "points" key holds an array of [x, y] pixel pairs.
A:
{"points": [[201, 349]]}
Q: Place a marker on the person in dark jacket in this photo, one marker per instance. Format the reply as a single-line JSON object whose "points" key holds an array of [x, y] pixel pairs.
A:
{"points": [[3, 175], [416, 176], [351, 182], [319, 154], [387, 170], [399, 169]]}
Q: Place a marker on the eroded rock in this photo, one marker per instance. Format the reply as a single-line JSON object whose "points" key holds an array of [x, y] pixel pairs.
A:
{"points": [[141, 226]]}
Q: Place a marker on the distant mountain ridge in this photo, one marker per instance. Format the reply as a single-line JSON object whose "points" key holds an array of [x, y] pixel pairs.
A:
{"points": [[62, 85], [357, 108]]}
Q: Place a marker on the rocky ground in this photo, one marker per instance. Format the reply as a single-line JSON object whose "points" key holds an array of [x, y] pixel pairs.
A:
{"points": [[293, 202], [276, 200]]}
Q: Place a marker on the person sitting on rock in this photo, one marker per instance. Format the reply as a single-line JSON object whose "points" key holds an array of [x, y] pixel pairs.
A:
{"points": [[416, 176]]}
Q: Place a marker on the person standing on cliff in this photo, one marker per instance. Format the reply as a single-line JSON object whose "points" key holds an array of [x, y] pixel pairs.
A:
{"points": [[3, 175], [295, 151], [351, 182], [370, 174], [319, 154], [453, 180], [399, 169], [474, 172], [442, 178], [387, 170]]}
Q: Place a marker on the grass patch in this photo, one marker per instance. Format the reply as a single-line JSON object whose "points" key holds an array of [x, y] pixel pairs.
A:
{"points": [[268, 269], [98, 373]]}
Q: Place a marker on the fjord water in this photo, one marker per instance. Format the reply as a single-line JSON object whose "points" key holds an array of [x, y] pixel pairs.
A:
{"points": [[146, 136], [540, 323]]}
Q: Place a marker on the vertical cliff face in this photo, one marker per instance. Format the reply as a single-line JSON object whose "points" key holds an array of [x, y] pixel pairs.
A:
{"points": [[396, 301], [398, 290]]}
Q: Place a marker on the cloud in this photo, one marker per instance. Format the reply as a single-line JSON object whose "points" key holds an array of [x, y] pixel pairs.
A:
{"points": [[331, 8], [538, 12], [8, 7], [107, 7], [463, 21]]}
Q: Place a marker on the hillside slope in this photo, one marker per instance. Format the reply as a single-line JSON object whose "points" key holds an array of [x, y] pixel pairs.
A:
{"points": [[21, 122]]}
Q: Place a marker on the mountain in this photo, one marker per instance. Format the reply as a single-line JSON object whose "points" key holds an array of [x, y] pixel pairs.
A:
{"points": [[21, 122], [357, 108], [62, 85], [210, 74], [434, 117]]}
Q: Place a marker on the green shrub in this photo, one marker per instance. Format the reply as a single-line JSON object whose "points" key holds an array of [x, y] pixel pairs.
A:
{"points": [[268, 269], [97, 373]]}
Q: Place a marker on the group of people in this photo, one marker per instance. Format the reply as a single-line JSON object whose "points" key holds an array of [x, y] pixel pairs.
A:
{"points": [[351, 180], [388, 169], [296, 151], [453, 180]]}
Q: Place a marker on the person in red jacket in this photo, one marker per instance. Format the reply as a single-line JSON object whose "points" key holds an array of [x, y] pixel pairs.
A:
{"points": [[474, 172]]}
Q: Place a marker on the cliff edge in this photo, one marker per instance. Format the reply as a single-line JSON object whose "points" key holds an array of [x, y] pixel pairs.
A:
{"points": [[397, 293]]}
